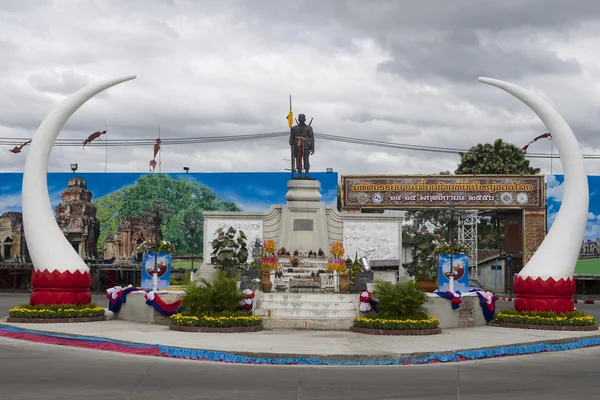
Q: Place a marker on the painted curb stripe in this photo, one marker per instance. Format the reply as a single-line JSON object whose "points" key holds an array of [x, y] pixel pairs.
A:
{"points": [[210, 355]]}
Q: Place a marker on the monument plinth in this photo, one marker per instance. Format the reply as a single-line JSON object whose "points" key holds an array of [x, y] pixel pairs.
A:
{"points": [[303, 190], [303, 217]]}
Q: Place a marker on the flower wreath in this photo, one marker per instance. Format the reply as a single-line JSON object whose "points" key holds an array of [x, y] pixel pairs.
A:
{"points": [[365, 301], [246, 302]]}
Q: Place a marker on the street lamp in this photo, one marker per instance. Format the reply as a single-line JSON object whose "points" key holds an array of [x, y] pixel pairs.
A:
{"points": [[452, 217], [74, 167], [193, 224], [158, 213], [186, 169]]}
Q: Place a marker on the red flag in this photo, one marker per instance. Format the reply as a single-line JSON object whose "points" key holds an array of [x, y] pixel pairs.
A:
{"points": [[17, 149], [92, 137], [156, 147], [545, 135], [152, 165]]}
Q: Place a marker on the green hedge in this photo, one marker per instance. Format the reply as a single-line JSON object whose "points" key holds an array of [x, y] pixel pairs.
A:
{"points": [[57, 311], [577, 318], [396, 324]]}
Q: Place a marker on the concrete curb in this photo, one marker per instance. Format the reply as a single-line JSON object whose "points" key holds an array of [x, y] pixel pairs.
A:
{"points": [[340, 357]]}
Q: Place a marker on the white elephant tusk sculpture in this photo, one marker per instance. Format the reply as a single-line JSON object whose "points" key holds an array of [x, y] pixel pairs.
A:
{"points": [[59, 275], [546, 283]]}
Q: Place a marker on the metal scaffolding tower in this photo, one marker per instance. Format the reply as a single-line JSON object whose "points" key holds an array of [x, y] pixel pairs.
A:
{"points": [[467, 235]]}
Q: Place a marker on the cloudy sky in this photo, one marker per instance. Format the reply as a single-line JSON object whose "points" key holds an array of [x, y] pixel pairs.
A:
{"points": [[395, 71]]}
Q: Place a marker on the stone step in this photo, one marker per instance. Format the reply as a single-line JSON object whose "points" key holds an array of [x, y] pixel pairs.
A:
{"points": [[285, 313], [305, 305], [325, 324], [307, 297]]}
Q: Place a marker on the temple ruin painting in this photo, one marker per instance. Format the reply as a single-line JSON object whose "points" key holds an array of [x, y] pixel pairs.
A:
{"points": [[105, 216]]}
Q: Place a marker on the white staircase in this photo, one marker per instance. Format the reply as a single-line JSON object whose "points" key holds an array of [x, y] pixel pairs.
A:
{"points": [[334, 311]]}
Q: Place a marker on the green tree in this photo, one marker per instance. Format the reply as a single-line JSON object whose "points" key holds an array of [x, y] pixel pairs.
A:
{"points": [[497, 158], [185, 198]]}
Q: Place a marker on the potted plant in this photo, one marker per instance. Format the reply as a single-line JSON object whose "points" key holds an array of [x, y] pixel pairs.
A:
{"points": [[229, 250]]}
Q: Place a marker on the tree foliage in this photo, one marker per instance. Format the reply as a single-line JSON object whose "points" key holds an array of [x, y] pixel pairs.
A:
{"points": [[497, 158], [185, 198]]}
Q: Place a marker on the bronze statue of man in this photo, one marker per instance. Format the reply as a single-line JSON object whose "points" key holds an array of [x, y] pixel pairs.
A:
{"points": [[303, 141]]}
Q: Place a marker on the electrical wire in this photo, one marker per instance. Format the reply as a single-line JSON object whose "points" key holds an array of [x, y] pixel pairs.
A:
{"points": [[4, 141]]}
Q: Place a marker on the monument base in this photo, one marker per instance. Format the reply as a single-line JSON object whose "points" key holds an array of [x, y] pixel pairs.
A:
{"points": [[56, 287], [537, 294]]}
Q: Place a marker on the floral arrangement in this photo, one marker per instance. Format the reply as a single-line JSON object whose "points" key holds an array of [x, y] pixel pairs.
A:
{"points": [[226, 321], [337, 265], [268, 265], [511, 316], [57, 311], [337, 249], [269, 247], [397, 324], [294, 260]]}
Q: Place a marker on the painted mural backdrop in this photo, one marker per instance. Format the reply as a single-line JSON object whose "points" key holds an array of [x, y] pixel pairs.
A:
{"points": [[589, 256], [118, 201]]}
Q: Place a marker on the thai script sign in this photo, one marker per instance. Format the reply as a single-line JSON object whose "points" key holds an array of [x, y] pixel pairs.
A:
{"points": [[438, 191]]}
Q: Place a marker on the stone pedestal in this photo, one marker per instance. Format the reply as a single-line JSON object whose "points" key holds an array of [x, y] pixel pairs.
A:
{"points": [[303, 218]]}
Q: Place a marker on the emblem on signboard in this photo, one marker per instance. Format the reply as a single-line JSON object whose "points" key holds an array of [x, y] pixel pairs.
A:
{"points": [[363, 198], [522, 198], [506, 198], [377, 198]]}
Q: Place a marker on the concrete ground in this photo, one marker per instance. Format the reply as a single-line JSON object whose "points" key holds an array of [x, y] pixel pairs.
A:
{"points": [[33, 371]]}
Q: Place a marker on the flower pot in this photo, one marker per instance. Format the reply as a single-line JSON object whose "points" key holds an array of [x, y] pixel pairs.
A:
{"points": [[266, 283], [427, 285], [344, 284]]}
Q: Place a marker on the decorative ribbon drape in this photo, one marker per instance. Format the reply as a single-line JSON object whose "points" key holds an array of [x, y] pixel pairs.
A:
{"points": [[487, 300], [154, 300], [454, 297], [117, 296]]}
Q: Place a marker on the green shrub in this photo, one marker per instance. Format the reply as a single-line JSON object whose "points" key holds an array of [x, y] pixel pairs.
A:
{"points": [[218, 295], [225, 320], [546, 318], [401, 301], [57, 311]]}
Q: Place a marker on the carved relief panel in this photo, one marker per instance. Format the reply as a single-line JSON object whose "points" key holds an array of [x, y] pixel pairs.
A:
{"points": [[252, 229], [376, 240]]}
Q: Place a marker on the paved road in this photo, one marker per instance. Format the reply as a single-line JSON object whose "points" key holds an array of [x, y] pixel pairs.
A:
{"points": [[36, 371]]}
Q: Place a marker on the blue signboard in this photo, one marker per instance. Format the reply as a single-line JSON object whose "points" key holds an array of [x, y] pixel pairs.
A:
{"points": [[460, 270], [164, 270]]}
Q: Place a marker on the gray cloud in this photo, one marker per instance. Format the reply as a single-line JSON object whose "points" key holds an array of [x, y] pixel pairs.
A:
{"points": [[385, 70]]}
